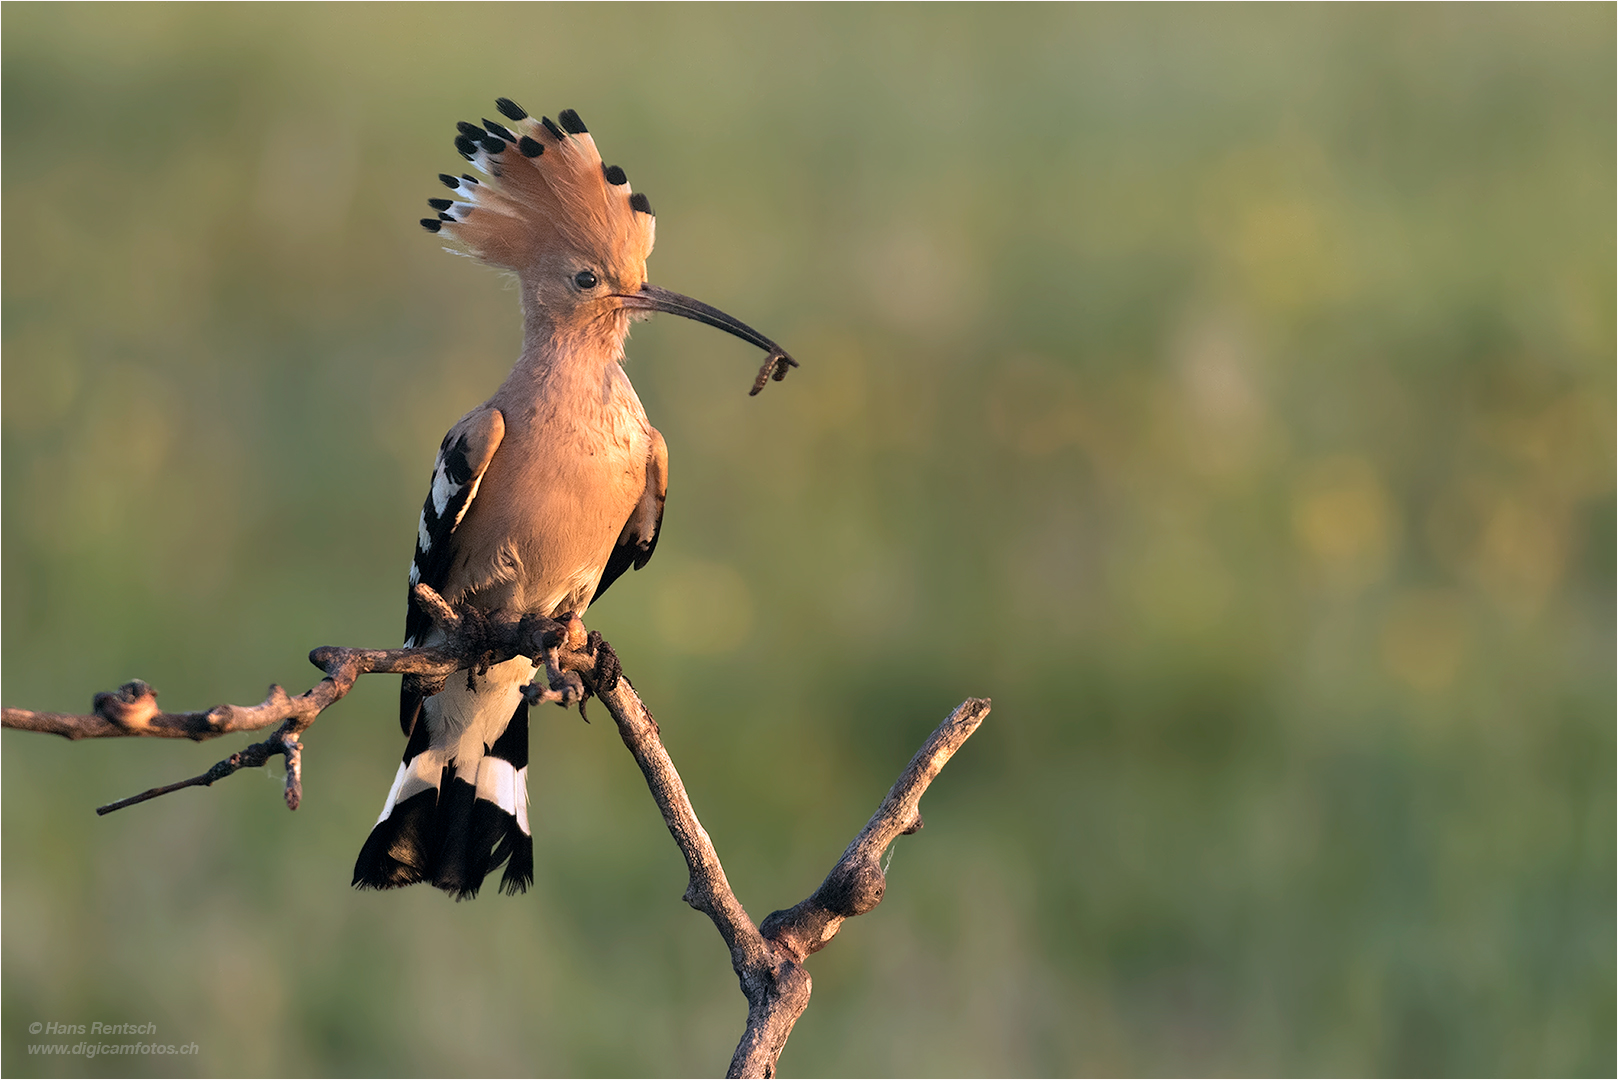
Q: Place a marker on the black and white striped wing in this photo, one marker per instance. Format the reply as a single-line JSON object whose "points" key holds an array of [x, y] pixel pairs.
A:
{"points": [[463, 457], [458, 807]]}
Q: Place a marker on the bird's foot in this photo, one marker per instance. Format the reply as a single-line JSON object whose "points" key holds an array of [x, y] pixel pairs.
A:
{"points": [[604, 676], [563, 687], [608, 670], [572, 687], [479, 633]]}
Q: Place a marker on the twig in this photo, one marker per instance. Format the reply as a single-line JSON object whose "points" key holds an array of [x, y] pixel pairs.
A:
{"points": [[250, 758], [768, 959], [131, 710]]}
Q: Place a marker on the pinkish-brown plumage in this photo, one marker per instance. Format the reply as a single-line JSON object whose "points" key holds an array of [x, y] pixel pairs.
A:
{"points": [[542, 496]]}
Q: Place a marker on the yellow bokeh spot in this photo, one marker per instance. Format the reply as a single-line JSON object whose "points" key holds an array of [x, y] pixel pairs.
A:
{"points": [[1343, 519], [1424, 638]]}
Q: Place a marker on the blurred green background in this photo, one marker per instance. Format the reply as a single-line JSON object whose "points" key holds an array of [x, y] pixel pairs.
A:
{"points": [[1227, 392]]}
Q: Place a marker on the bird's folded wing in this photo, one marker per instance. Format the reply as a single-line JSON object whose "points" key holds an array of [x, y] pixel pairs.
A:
{"points": [[463, 457], [638, 539]]}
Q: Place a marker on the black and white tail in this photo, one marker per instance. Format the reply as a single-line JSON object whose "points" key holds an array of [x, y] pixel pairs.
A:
{"points": [[458, 809]]}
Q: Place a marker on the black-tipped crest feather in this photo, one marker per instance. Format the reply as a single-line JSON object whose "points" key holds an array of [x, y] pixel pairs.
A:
{"points": [[533, 203]]}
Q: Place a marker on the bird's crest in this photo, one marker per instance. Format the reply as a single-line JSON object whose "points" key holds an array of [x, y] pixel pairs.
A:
{"points": [[544, 185]]}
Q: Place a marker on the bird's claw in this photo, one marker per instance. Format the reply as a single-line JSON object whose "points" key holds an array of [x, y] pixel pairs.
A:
{"points": [[563, 687], [607, 670], [552, 684]]}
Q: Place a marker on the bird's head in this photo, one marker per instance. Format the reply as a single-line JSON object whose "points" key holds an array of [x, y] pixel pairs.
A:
{"points": [[569, 225]]}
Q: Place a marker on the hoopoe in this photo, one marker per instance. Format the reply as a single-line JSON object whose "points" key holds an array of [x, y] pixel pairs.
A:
{"points": [[542, 496]]}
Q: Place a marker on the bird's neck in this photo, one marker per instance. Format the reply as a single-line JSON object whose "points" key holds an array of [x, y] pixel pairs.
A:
{"points": [[565, 360]]}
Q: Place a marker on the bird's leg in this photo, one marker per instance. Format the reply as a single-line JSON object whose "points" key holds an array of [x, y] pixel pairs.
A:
{"points": [[478, 634], [606, 673], [568, 687], [475, 625], [562, 687], [607, 670]]}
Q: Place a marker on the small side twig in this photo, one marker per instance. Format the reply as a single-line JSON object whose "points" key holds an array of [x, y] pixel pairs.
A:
{"points": [[251, 757], [131, 710], [768, 959]]}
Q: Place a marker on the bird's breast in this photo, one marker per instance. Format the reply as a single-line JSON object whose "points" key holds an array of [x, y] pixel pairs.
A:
{"points": [[556, 496]]}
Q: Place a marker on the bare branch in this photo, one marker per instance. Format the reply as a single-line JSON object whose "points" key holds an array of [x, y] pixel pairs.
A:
{"points": [[250, 758], [472, 641], [768, 959], [131, 710], [855, 884]]}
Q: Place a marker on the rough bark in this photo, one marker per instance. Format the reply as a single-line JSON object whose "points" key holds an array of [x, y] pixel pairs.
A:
{"points": [[768, 959]]}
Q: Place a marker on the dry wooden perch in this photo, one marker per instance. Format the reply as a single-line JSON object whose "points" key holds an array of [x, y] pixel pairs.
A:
{"points": [[768, 958]]}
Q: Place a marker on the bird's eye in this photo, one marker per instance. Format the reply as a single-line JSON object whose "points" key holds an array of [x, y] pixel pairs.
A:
{"points": [[584, 279]]}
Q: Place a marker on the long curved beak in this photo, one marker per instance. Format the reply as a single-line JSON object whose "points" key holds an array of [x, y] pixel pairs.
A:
{"points": [[652, 298]]}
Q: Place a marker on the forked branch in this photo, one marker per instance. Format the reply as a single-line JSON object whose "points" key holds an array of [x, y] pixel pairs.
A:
{"points": [[768, 959]]}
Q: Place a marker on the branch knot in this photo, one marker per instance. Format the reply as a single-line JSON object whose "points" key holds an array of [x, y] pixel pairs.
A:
{"points": [[131, 706], [852, 888]]}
